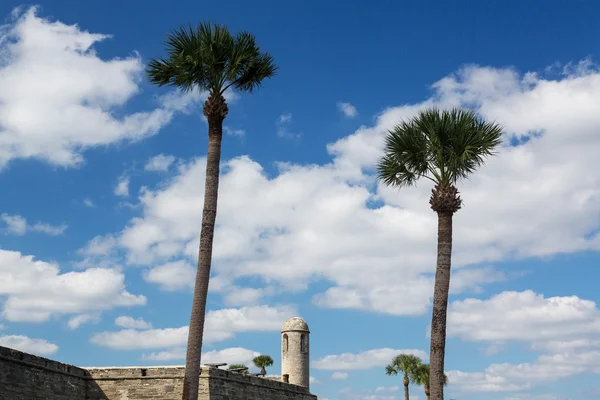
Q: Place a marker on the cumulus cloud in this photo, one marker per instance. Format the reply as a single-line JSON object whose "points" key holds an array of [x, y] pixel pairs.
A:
{"points": [[517, 377], [347, 109], [311, 222], [525, 316], [27, 345], [58, 95], [171, 276], [363, 360], [233, 355], [17, 225], [57, 293], [125, 321], [81, 319], [159, 163], [220, 325]]}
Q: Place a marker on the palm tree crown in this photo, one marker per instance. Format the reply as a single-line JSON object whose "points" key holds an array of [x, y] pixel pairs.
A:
{"points": [[212, 59], [262, 362], [407, 365], [442, 146]]}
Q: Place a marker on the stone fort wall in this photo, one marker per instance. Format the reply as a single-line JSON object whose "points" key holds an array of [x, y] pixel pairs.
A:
{"points": [[27, 377]]}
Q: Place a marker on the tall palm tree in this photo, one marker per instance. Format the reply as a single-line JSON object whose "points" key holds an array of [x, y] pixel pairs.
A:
{"points": [[422, 378], [208, 58], [407, 365], [443, 147], [262, 362]]}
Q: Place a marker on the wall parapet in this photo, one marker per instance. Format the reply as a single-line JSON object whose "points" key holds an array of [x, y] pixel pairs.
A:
{"points": [[46, 364]]}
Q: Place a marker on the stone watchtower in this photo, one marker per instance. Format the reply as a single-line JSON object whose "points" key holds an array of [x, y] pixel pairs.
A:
{"points": [[295, 351]]}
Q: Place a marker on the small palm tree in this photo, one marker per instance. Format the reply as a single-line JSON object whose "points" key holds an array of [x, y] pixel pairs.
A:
{"points": [[262, 362], [210, 59], [443, 147], [422, 378], [407, 365]]}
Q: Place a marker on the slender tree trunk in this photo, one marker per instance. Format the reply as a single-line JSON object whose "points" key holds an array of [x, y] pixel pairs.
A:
{"points": [[263, 371], [406, 382], [209, 214], [427, 392], [440, 306]]}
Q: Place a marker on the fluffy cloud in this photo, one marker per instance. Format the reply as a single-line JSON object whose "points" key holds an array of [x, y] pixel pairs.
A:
{"points": [[175, 275], [379, 393], [58, 96], [57, 293], [333, 222], [347, 109], [517, 377], [25, 344], [233, 355], [17, 225], [363, 360], [122, 187], [557, 322], [340, 376], [128, 322], [220, 325], [81, 319], [159, 163], [564, 328]]}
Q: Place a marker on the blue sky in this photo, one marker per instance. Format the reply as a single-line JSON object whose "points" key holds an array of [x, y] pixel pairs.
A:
{"points": [[102, 179]]}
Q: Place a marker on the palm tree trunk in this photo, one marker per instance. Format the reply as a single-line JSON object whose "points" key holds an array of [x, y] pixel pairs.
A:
{"points": [[209, 215], [263, 371], [406, 382], [427, 396], [440, 306]]}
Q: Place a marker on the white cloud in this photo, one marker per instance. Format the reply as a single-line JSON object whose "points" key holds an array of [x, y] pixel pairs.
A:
{"points": [[17, 225], [159, 163], [340, 376], [89, 203], [81, 319], [363, 360], [58, 96], [27, 345], [379, 393], [282, 125], [518, 377], [172, 276], [129, 322], [347, 109], [311, 222], [122, 187], [36, 290], [313, 380], [233, 355], [220, 325], [128, 339], [525, 316], [234, 132]]}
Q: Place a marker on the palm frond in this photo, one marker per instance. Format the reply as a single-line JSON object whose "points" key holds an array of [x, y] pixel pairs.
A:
{"points": [[210, 58], [440, 145], [263, 361]]}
